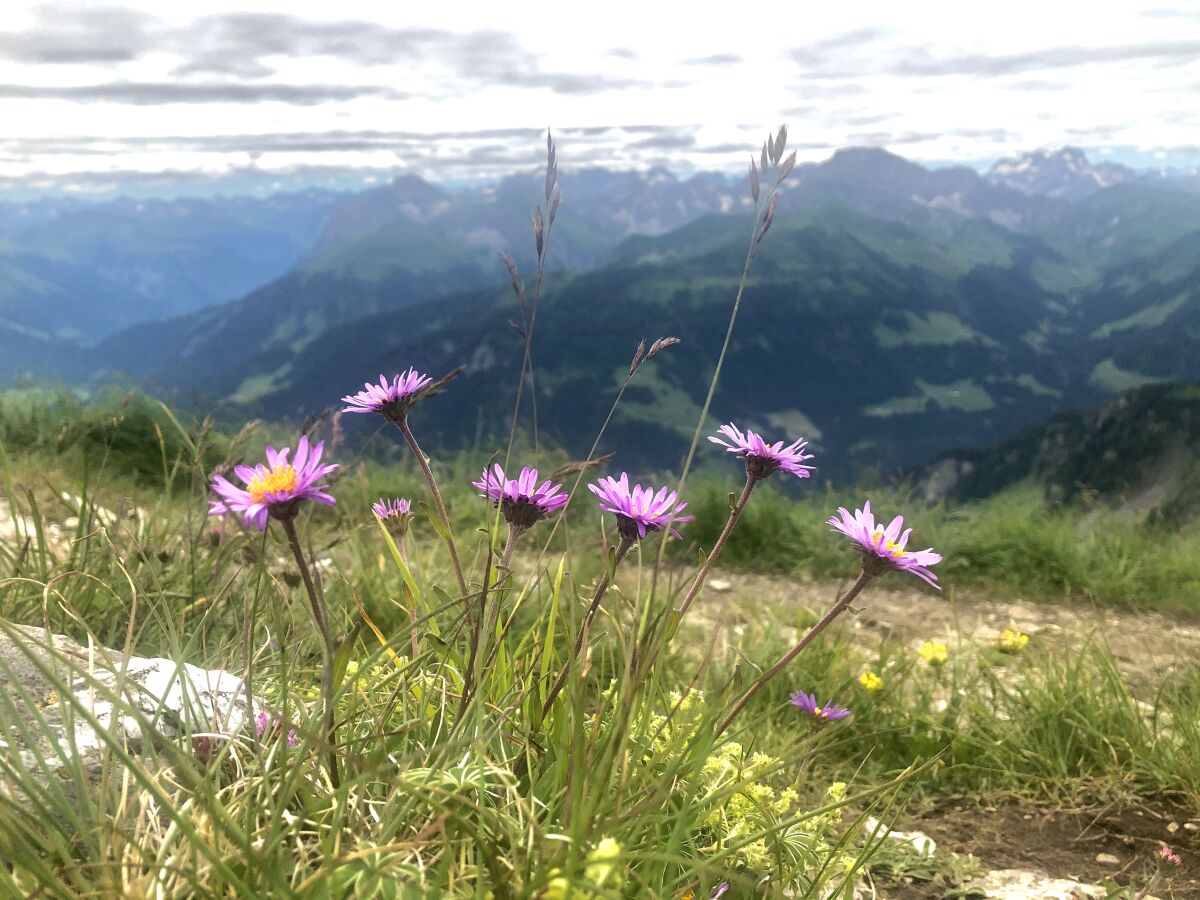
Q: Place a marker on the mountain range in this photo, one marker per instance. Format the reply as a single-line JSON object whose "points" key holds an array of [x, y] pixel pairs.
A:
{"points": [[893, 311]]}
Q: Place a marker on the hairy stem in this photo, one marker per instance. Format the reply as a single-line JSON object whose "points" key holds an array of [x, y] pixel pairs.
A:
{"points": [[329, 725], [712, 387], [493, 613], [437, 500], [702, 575], [412, 610], [581, 638], [836, 610]]}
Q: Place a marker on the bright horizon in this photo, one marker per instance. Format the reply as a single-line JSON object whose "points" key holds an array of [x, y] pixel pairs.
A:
{"points": [[144, 96]]}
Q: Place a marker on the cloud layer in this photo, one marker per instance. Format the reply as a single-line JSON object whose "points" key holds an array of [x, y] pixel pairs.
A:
{"points": [[95, 93]]}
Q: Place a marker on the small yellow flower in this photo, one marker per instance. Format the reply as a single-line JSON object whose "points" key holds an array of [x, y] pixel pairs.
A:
{"points": [[871, 681], [602, 860], [935, 653], [1012, 641]]}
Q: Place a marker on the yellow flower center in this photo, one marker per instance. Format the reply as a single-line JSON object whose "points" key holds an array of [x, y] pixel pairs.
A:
{"points": [[889, 546], [283, 478]]}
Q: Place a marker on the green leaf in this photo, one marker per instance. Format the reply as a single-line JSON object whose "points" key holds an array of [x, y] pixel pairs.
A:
{"points": [[398, 559], [435, 521], [672, 623], [341, 657]]}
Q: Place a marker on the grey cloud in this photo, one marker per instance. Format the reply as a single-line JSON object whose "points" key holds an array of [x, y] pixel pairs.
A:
{"points": [[889, 138], [242, 45], [677, 141], [65, 33], [239, 43], [716, 59], [154, 93], [404, 142], [1038, 84], [827, 55], [871, 119], [806, 109], [716, 149], [927, 64], [988, 134], [623, 53]]}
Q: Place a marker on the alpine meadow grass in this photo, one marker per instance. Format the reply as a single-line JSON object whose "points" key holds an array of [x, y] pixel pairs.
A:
{"points": [[497, 677]]}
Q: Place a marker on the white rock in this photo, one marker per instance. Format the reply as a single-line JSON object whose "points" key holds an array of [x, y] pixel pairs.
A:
{"points": [[1023, 884], [1108, 859], [919, 841], [62, 701], [719, 585]]}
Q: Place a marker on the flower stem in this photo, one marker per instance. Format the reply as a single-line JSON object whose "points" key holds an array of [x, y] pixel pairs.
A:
{"points": [[412, 610], [489, 629], [402, 424], [329, 725], [734, 515], [581, 639], [712, 386], [836, 610]]}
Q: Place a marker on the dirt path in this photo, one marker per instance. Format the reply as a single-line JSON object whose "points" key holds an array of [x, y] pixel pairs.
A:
{"points": [[1146, 645]]}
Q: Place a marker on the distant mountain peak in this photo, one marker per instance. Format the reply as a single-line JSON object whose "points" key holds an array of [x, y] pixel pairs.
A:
{"points": [[1063, 173]]}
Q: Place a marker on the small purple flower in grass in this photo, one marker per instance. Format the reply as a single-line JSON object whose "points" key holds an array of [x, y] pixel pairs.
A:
{"points": [[396, 514], [719, 891], [885, 548], [1167, 855], [275, 489], [391, 398], [808, 703], [522, 500], [638, 510], [763, 459], [265, 720]]}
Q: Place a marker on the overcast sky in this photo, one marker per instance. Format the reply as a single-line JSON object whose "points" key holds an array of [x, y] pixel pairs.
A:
{"points": [[93, 94]]}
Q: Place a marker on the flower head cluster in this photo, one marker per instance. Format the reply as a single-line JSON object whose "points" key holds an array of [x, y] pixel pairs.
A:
{"points": [[763, 459], [808, 703], [871, 681], [640, 509], [274, 489], [522, 500], [935, 653], [1012, 640], [265, 720], [396, 514], [392, 398], [885, 548], [1167, 855]]}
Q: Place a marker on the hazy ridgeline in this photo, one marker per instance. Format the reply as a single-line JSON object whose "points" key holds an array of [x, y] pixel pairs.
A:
{"points": [[476, 702]]}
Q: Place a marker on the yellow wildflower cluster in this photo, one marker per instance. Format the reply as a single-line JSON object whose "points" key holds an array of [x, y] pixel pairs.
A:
{"points": [[935, 653], [736, 789], [871, 681], [602, 873], [1012, 640]]}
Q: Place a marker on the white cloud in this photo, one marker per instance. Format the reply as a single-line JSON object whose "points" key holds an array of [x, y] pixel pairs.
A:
{"points": [[154, 87]]}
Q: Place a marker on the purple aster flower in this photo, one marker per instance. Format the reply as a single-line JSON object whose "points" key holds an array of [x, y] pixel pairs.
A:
{"points": [[762, 459], [830, 712], [275, 489], [638, 510], [522, 500], [393, 399], [396, 514], [265, 720], [885, 548]]}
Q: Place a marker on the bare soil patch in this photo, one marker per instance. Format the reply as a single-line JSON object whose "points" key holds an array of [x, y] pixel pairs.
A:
{"points": [[1067, 843], [1147, 645]]}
